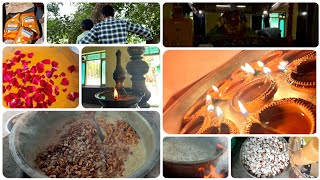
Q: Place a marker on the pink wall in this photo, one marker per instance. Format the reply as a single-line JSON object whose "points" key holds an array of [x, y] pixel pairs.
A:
{"points": [[183, 67]]}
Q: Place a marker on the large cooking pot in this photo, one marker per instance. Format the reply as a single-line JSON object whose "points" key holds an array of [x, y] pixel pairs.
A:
{"points": [[35, 131], [173, 166]]}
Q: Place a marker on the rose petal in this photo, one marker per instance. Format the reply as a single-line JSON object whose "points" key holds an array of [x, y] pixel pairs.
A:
{"points": [[54, 64], [51, 81], [48, 74], [46, 61], [63, 74], [38, 97], [40, 67], [71, 68], [22, 55], [31, 89], [15, 103], [55, 76], [30, 55], [29, 102], [33, 69], [16, 59], [73, 96], [65, 82], [18, 52], [64, 90]]}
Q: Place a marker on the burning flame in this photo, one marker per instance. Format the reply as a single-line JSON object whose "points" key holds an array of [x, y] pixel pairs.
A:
{"points": [[261, 64], [242, 109], [283, 65], [243, 68], [115, 94], [219, 111], [208, 99], [249, 69], [212, 172], [266, 70], [215, 88], [210, 108]]}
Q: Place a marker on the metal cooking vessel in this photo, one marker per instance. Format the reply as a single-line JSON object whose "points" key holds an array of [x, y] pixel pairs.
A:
{"points": [[190, 169], [36, 130], [251, 174]]}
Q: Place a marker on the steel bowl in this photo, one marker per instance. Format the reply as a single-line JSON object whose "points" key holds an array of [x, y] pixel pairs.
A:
{"points": [[35, 131], [190, 168], [251, 174]]}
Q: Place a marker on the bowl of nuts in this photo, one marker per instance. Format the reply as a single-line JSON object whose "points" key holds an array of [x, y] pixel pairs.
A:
{"points": [[264, 157], [66, 144]]}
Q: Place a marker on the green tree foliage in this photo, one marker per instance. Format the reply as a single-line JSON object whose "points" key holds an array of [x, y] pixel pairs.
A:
{"points": [[65, 29]]}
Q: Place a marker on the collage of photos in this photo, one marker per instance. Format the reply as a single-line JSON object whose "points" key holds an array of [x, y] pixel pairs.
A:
{"points": [[159, 89]]}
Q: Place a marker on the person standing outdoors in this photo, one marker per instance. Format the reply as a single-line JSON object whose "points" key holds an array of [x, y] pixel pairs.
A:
{"points": [[113, 30]]}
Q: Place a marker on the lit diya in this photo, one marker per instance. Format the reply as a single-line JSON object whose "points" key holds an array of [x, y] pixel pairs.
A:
{"points": [[213, 91], [270, 60], [285, 116], [200, 106], [302, 75], [209, 123], [228, 89], [112, 99], [243, 71], [119, 97], [255, 94]]}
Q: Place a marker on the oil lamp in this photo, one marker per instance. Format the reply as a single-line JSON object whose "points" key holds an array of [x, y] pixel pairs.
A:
{"points": [[119, 97]]}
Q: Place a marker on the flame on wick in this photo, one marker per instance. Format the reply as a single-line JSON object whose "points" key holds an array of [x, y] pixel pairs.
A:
{"points": [[242, 109], [243, 68], [208, 99], [212, 172], [266, 70], [261, 64], [215, 88], [115, 94], [219, 111], [210, 108], [249, 69], [283, 65]]}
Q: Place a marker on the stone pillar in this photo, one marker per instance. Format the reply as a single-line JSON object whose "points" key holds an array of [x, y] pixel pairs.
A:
{"points": [[137, 68]]}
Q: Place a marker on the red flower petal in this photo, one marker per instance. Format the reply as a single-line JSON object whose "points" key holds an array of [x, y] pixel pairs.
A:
{"points": [[54, 64], [71, 68], [30, 55], [14, 82], [63, 74], [29, 102], [55, 76], [31, 89], [43, 83], [33, 69], [51, 81], [40, 67], [18, 52], [35, 80], [46, 61], [8, 76], [22, 55], [16, 59], [73, 96], [15, 103], [65, 82], [38, 97], [64, 90], [48, 74]]}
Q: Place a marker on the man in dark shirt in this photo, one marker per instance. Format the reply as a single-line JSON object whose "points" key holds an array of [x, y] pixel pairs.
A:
{"points": [[113, 30]]}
